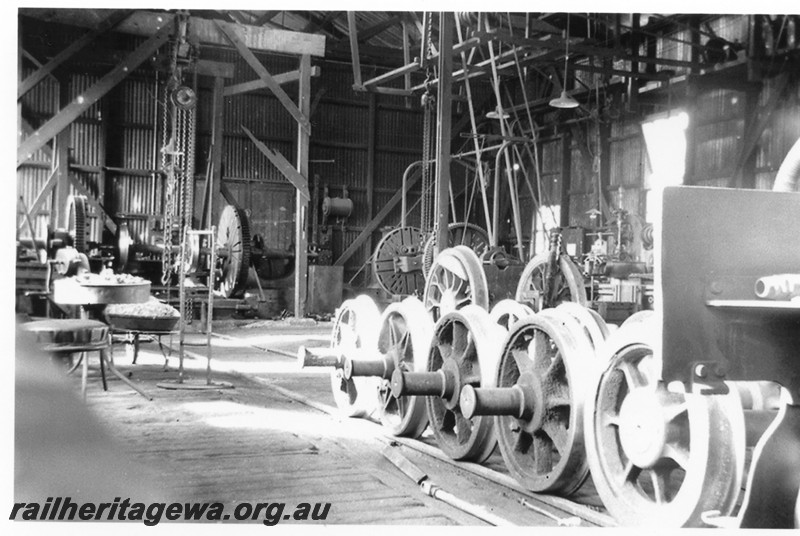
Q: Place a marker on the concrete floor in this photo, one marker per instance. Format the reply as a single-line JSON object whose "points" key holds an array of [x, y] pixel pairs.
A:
{"points": [[251, 443]]}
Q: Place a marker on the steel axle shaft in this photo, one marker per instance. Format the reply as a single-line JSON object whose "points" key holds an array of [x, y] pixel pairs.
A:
{"points": [[510, 401]]}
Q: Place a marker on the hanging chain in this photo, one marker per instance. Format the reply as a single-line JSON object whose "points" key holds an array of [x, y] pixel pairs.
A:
{"points": [[168, 168]]}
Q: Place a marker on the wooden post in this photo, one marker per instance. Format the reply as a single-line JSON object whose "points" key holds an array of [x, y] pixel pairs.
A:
{"points": [[58, 215], [566, 178], [301, 202], [444, 122], [371, 125], [217, 139]]}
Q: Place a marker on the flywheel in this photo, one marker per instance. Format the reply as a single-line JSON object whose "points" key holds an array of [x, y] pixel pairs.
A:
{"points": [[77, 225], [233, 247], [398, 262]]}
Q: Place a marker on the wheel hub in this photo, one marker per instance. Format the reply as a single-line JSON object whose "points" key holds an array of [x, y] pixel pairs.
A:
{"points": [[533, 411], [452, 387], [643, 430]]}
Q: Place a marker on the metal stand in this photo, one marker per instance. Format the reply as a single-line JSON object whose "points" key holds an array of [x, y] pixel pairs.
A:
{"points": [[182, 382]]}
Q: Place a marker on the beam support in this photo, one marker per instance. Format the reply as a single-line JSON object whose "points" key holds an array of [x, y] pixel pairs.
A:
{"points": [[262, 72], [217, 140], [84, 101], [293, 175], [301, 200], [353, 32], [253, 85]]}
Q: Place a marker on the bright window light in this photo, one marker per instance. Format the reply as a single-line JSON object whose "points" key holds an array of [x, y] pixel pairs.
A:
{"points": [[665, 139], [548, 218]]}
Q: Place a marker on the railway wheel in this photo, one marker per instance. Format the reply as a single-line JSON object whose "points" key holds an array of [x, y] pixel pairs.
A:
{"points": [[659, 457], [355, 334], [506, 313], [398, 262], [405, 334], [456, 279], [458, 234], [464, 351], [547, 361], [568, 282]]}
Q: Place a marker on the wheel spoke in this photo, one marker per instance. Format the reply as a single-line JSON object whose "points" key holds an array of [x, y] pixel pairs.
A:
{"points": [[522, 360], [660, 482], [554, 370], [463, 428], [523, 442], [542, 446], [538, 348], [558, 434], [629, 473], [677, 453], [673, 411], [633, 375]]}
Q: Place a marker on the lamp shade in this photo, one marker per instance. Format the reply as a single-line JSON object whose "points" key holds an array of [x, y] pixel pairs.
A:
{"points": [[564, 101]]}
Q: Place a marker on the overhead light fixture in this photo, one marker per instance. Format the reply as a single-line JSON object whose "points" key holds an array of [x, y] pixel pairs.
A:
{"points": [[497, 114], [564, 100]]}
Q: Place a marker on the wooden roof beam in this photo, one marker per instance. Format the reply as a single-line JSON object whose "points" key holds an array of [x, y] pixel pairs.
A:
{"points": [[204, 31]]}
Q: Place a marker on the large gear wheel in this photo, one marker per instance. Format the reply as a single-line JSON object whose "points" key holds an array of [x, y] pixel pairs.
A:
{"points": [[233, 245], [76, 221]]}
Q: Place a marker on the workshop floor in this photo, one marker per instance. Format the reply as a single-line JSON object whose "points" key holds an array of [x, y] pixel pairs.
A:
{"points": [[254, 442]]}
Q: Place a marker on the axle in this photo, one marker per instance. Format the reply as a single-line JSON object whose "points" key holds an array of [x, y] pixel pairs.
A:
{"points": [[510, 401], [320, 357], [383, 367]]}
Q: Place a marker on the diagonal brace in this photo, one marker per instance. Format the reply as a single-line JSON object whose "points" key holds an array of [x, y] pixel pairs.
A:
{"points": [[283, 165]]}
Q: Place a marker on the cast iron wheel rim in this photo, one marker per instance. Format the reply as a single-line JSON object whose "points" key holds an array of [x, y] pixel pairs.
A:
{"points": [[508, 312], [354, 335], [470, 338], [458, 234], [406, 331], [397, 242], [699, 465], [591, 323], [568, 280], [233, 237], [456, 280], [76, 221], [545, 452]]}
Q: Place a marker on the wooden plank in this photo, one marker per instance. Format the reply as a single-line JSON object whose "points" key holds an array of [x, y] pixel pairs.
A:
{"points": [[204, 31], [82, 103], [258, 67], [281, 79], [283, 165], [353, 32], [106, 24], [214, 68], [302, 197], [112, 226], [377, 220]]}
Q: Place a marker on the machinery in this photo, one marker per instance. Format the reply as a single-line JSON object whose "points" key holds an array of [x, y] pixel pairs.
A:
{"points": [[661, 411]]}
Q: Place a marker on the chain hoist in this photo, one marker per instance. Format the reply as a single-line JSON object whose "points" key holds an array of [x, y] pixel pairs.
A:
{"points": [[178, 137]]}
